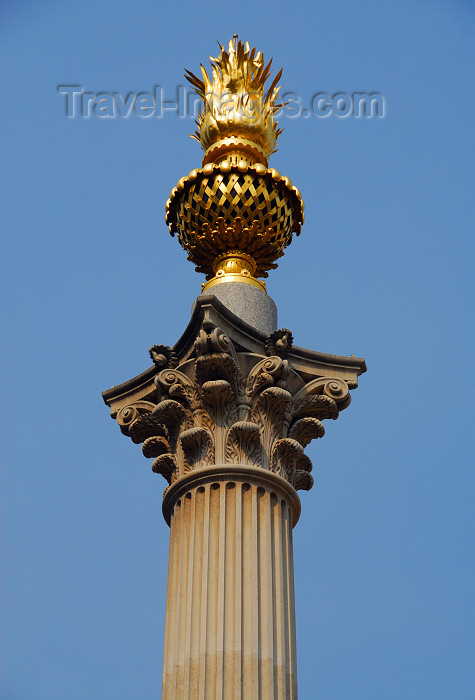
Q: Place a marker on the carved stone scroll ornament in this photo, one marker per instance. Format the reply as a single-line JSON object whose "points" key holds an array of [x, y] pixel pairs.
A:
{"points": [[208, 412]]}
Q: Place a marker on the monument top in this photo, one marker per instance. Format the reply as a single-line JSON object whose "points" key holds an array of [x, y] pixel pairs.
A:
{"points": [[234, 216]]}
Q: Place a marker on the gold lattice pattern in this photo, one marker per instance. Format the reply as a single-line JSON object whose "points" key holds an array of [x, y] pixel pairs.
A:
{"points": [[248, 208]]}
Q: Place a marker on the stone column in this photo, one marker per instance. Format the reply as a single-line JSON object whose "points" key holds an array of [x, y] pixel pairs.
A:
{"points": [[230, 622], [226, 415], [227, 412]]}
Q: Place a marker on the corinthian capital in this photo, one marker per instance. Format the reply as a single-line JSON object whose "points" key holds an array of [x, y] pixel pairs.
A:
{"points": [[223, 400]]}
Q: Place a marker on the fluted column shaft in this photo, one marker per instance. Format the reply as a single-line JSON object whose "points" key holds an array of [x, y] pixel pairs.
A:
{"points": [[230, 621]]}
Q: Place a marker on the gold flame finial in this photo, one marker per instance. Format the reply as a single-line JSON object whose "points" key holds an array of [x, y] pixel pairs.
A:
{"points": [[238, 117], [234, 216]]}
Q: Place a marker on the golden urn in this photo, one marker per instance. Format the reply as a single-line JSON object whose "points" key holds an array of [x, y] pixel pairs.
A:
{"points": [[234, 216]]}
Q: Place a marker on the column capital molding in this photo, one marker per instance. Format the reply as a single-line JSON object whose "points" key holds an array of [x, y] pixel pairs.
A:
{"points": [[227, 394]]}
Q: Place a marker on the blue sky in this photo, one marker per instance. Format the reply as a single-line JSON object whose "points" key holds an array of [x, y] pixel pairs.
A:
{"points": [[383, 269]]}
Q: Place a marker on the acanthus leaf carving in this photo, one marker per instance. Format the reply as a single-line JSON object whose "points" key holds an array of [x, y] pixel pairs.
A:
{"points": [[166, 466], [155, 446], [243, 444], [304, 430], [287, 457], [269, 412], [172, 415], [217, 366], [271, 407], [303, 481], [313, 406], [147, 425], [220, 402], [197, 445], [208, 412]]}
